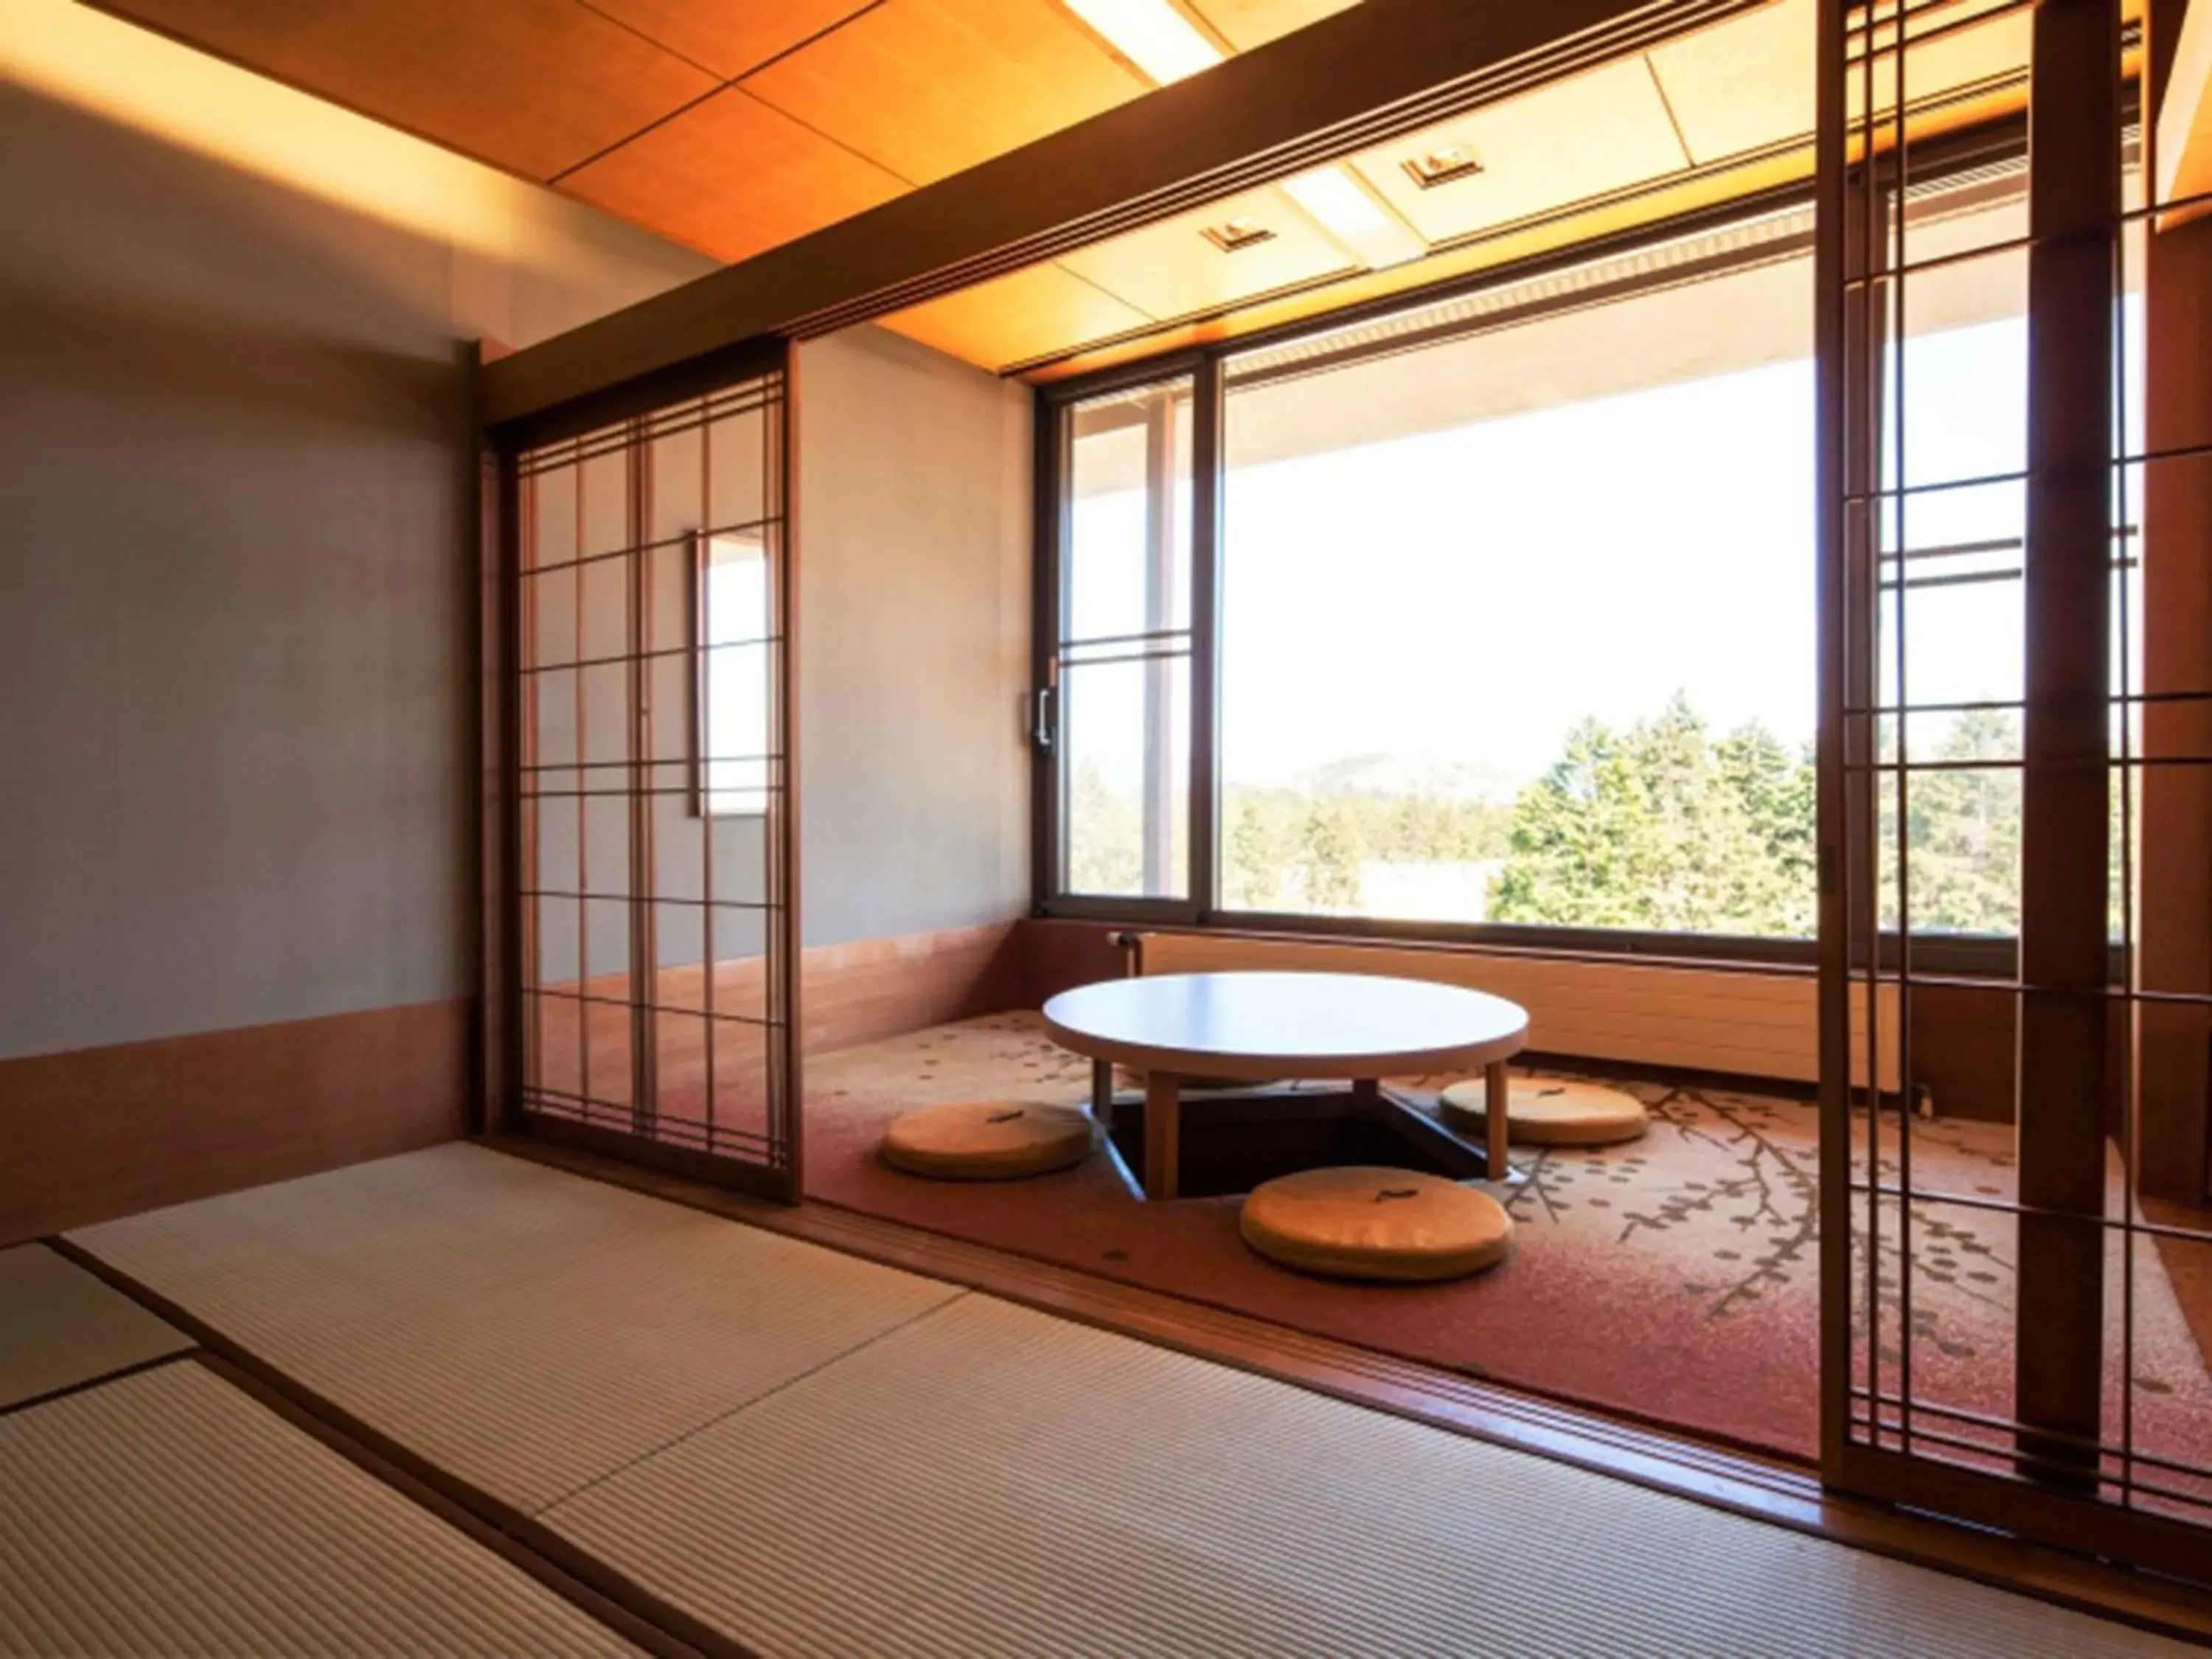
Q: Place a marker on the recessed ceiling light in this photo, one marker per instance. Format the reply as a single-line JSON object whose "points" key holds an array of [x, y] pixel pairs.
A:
{"points": [[1377, 235], [1232, 235], [1441, 166], [1151, 35]]}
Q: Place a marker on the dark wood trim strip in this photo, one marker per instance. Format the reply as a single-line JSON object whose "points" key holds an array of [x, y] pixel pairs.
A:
{"points": [[586, 1583], [86, 1385], [2073, 207], [1348, 81], [1782, 1494], [497, 493], [1205, 696], [738, 1171]]}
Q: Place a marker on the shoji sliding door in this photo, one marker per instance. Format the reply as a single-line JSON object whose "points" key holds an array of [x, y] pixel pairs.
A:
{"points": [[656, 844], [2005, 1339]]}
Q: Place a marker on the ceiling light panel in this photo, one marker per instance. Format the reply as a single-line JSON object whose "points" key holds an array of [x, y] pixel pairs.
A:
{"points": [[1172, 269], [1151, 35], [1743, 84], [1603, 130], [1336, 198]]}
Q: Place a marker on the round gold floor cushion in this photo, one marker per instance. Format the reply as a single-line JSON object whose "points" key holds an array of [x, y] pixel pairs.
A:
{"points": [[1364, 1221], [989, 1140], [1551, 1111]]}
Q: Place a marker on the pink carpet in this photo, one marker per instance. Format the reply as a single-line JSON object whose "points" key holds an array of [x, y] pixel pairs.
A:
{"points": [[1672, 1280]]}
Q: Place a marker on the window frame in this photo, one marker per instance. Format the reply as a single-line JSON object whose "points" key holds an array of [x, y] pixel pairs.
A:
{"points": [[1966, 956]]}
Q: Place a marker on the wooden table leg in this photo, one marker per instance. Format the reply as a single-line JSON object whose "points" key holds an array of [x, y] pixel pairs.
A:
{"points": [[1496, 1097], [1102, 1093], [1163, 1133]]}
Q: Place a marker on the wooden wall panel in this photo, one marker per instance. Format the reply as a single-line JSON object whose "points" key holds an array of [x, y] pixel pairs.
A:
{"points": [[98, 1133], [532, 86], [1058, 956], [849, 994], [854, 993], [1694, 1017]]}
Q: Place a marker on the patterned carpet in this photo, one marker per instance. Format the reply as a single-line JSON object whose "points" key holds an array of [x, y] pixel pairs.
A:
{"points": [[1673, 1279]]}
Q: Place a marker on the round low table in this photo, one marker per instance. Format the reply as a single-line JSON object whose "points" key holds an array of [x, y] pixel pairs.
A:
{"points": [[1354, 1028]]}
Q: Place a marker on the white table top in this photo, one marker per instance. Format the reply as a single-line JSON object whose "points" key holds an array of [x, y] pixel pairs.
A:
{"points": [[1293, 1025]]}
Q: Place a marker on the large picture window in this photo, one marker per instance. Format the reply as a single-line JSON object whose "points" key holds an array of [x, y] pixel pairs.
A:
{"points": [[1512, 617]]}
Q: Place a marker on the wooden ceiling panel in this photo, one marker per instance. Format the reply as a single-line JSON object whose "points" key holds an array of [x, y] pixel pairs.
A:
{"points": [[1745, 83], [930, 88], [731, 37], [1600, 132], [1172, 270], [532, 86], [1248, 24], [732, 177], [1013, 319]]}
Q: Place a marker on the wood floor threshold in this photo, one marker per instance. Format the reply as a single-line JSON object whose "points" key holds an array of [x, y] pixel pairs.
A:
{"points": [[611, 1598], [1763, 1489]]}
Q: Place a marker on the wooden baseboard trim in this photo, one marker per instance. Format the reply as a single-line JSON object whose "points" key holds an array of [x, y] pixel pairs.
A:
{"points": [[87, 1134], [1780, 1493], [615, 1600]]}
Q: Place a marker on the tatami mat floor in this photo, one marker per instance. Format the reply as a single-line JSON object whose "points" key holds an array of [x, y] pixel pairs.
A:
{"points": [[526, 1330], [61, 1329], [817, 1456], [166, 1513]]}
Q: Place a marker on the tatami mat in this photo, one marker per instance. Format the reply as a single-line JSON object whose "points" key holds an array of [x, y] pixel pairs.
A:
{"points": [[523, 1328], [166, 1513], [60, 1328], [991, 1481]]}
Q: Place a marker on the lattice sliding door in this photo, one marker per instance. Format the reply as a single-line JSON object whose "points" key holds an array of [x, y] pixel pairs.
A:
{"points": [[655, 786], [2012, 1348]]}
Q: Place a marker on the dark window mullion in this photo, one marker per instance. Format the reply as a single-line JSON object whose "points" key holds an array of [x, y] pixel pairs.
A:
{"points": [[1207, 490]]}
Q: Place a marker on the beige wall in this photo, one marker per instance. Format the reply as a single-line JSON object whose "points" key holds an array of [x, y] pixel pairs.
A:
{"points": [[913, 592], [237, 566]]}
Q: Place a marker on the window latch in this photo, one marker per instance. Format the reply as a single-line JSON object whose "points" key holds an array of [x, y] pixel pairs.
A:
{"points": [[1041, 720]]}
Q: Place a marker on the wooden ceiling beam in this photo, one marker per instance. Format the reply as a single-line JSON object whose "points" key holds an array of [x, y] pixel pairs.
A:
{"points": [[1372, 73]]}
